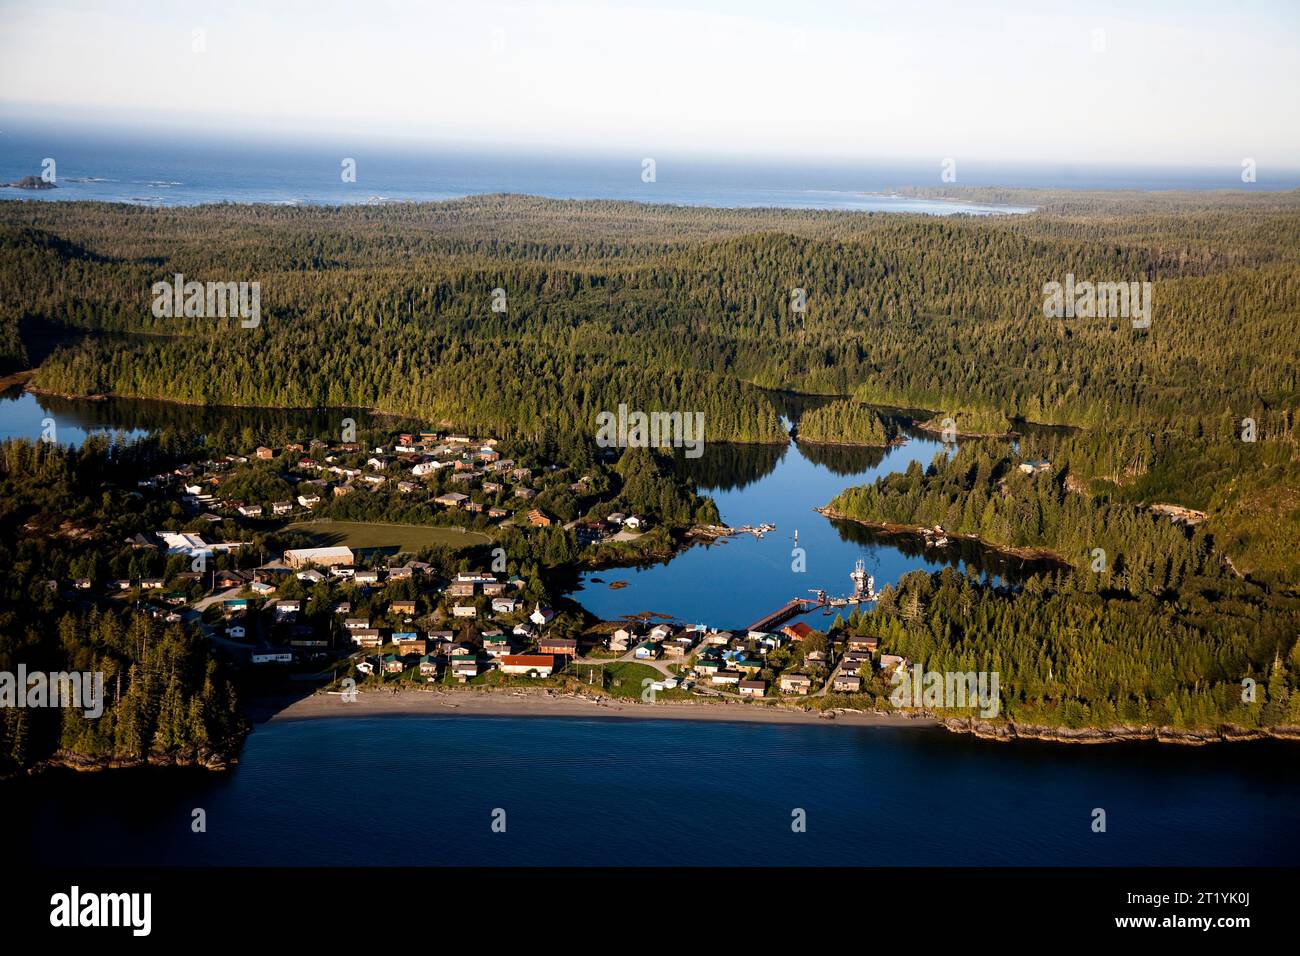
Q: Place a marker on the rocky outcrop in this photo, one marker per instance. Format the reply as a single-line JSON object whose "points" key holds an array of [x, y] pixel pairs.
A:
{"points": [[1111, 735], [185, 757]]}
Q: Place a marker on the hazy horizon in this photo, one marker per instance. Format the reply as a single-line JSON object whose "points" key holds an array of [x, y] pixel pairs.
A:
{"points": [[1184, 85]]}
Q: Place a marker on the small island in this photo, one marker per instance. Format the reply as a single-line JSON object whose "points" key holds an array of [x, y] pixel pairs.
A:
{"points": [[29, 182]]}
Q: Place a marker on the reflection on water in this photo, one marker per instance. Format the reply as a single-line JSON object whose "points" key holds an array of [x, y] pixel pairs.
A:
{"points": [[22, 415], [733, 582]]}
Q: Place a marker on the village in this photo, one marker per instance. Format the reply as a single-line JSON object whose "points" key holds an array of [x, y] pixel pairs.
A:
{"points": [[379, 614]]}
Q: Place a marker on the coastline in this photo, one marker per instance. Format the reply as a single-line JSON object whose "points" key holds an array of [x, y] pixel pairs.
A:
{"points": [[548, 704], [525, 703], [1027, 554]]}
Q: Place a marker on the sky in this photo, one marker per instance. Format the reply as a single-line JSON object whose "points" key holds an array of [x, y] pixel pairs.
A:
{"points": [[1174, 83]]}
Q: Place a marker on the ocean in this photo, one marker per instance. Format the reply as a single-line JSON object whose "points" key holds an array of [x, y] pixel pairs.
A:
{"points": [[148, 169]]}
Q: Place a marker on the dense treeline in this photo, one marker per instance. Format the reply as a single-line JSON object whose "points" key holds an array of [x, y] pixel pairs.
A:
{"points": [[846, 423], [980, 493], [899, 309], [163, 694], [1067, 657]]}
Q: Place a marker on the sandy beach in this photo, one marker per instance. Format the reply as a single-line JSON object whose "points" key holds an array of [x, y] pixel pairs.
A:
{"points": [[535, 704]]}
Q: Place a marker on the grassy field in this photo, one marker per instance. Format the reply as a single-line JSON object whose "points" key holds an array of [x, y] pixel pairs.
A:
{"points": [[407, 537]]}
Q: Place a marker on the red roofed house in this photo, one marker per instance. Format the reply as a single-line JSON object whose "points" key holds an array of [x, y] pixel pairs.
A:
{"points": [[797, 631], [531, 665]]}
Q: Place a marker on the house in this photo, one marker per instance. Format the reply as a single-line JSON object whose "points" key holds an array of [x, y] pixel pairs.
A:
{"points": [[541, 615], [406, 487], [356, 623], [154, 584], [726, 677], [795, 684], [264, 453], [235, 631], [497, 646], [497, 512], [452, 499], [892, 663], [797, 631], [646, 651], [286, 611], [1035, 467], [82, 584], [309, 501], [854, 661], [344, 489], [462, 588], [464, 610], [143, 540], [366, 576], [428, 666], [677, 647], [526, 493], [464, 666], [281, 507], [301, 635], [529, 665], [815, 657], [322, 557], [617, 518], [122, 584], [559, 646], [270, 655], [847, 683], [402, 607], [401, 574], [620, 639], [410, 644], [661, 632], [493, 588], [342, 607], [538, 519], [367, 637], [524, 630], [393, 664], [747, 666], [251, 511], [311, 576], [706, 667], [752, 688], [634, 522], [859, 643]]}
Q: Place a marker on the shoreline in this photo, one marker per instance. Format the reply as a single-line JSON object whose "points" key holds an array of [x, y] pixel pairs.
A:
{"points": [[545, 704], [1026, 554], [527, 703]]}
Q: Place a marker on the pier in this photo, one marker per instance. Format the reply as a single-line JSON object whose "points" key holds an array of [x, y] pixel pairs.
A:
{"points": [[782, 614]]}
